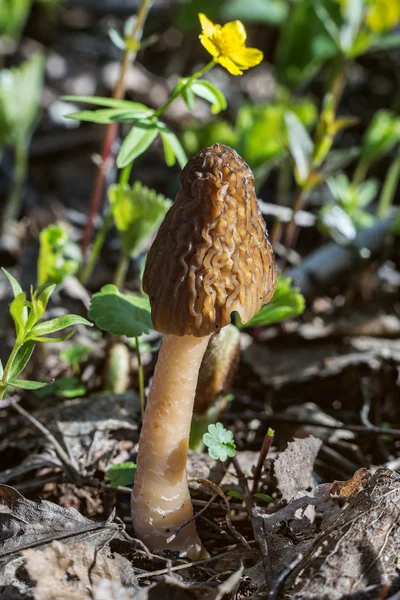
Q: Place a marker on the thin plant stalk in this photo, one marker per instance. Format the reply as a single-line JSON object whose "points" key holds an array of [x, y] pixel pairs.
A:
{"points": [[128, 57], [360, 172], [119, 282], [140, 376], [7, 369], [389, 187], [122, 268], [335, 87], [13, 201], [96, 249]]}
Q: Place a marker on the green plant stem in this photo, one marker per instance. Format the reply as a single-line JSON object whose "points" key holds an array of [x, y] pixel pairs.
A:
{"points": [[9, 364], [335, 87], [192, 78], [389, 187], [119, 280], [361, 172], [13, 201], [140, 375], [128, 58], [96, 249]]}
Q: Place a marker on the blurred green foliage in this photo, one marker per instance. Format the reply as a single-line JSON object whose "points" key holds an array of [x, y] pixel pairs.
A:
{"points": [[20, 92], [287, 303], [137, 212], [59, 255], [259, 134]]}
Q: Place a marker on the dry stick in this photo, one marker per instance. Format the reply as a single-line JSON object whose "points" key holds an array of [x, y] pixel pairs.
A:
{"points": [[217, 489], [63, 456], [248, 415], [196, 516], [266, 445], [194, 563], [257, 522], [277, 586], [112, 128]]}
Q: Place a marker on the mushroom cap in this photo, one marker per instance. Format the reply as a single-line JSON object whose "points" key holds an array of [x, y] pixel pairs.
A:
{"points": [[211, 255]]}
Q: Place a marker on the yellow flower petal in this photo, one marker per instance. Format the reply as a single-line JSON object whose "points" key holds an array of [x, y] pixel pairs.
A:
{"points": [[235, 33], [229, 65], [383, 15], [209, 46], [247, 57], [207, 26]]}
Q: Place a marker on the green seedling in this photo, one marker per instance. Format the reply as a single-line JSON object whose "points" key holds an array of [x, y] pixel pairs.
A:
{"points": [[74, 355], [122, 474], [29, 330], [59, 255], [220, 442]]}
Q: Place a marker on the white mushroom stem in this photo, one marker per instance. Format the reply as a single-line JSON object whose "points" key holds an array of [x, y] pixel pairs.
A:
{"points": [[161, 501]]}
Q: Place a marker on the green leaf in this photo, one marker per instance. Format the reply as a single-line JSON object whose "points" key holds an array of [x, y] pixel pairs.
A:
{"points": [[100, 101], [219, 442], [120, 314], [256, 11], [385, 42], [65, 387], [75, 354], [20, 92], [235, 494], [13, 14], [306, 42], [17, 311], [188, 96], [57, 324], [112, 115], [59, 256], [16, 288], [137, 212], [136, 142], [301, 146], [1, 369], [264, 497], [172, 148], [53, 340], [353, 14], [122, 474], [286, 304], [24, 384], [22, 358], [208, 91], [381, 136], [41, 298]]}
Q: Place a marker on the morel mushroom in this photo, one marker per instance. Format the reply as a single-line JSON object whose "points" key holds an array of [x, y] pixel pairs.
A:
{"points": [[211, 257]]}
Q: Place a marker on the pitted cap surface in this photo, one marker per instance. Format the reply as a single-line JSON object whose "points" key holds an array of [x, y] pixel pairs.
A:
{"points": [[211, 255]]}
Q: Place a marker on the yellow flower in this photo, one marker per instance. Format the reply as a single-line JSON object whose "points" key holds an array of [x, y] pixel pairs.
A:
{"points": [[227, 45], [383, 15]]}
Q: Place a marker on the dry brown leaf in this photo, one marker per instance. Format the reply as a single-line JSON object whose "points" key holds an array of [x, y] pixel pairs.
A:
{"points": [[293, 467], [64, 571]]}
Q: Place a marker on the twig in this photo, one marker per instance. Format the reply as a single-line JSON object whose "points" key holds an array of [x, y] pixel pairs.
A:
{"points": [[63, 456], [112, 128], [196, 516], [266, 445], [195, 563], [257, 521], [278, 584], [217, 489], [249, 415]]}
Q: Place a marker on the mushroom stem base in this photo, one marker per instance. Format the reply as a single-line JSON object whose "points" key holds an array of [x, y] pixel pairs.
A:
{"points": [[160, 500]]}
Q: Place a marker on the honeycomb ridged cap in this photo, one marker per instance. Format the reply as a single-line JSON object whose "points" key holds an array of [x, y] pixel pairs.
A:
{"points": [[211, 255]]}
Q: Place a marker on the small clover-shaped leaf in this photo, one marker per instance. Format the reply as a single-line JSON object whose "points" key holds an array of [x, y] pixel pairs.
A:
{"points": [[219, 442], [120, 314]]}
